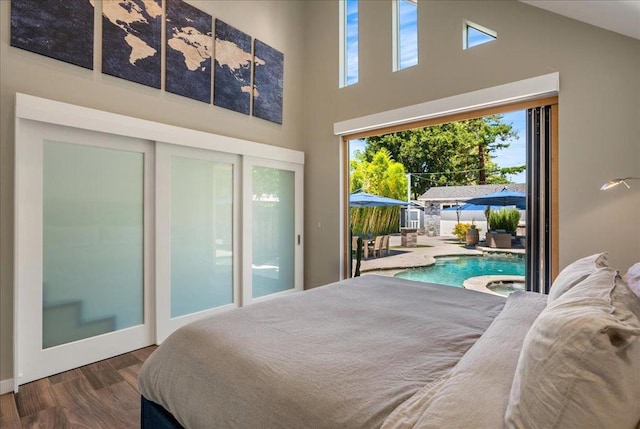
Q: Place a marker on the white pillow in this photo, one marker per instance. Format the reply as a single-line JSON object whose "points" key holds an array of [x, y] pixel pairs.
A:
{"points": [[580, 363], [632, 278], [576, 272]]}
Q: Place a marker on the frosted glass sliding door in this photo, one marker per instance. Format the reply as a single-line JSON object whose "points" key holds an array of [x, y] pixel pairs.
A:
{"points": [[83, 248], [196, 234], [273, 221], [93, 255]]}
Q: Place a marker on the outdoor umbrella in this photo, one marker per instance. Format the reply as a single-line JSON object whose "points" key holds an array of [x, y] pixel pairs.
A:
{"points": [[502, 198], [362, 199]]}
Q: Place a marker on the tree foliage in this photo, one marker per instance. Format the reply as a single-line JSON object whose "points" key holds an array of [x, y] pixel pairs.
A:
{"points": [[455, 153], [380, 176]]}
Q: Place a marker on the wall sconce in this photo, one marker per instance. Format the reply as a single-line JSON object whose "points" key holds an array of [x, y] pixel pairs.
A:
{"points": [[616, 182]]}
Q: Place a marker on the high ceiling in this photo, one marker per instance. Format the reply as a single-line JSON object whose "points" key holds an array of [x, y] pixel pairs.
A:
{"points": [[621, 16]]}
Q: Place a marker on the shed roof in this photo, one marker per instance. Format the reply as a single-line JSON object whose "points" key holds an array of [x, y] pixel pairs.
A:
{"points": [[463, 193]]}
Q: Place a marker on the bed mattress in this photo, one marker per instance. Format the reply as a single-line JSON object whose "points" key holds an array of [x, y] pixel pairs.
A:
{"points": [[342, 355]]}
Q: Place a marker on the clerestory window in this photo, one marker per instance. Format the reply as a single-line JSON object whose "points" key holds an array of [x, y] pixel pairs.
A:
{"points": [[349, 72], [475, 35], [405, 34]]}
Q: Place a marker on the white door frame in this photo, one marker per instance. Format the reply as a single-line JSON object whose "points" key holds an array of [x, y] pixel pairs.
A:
{"points": [[165, 324], [247, 212], [31, 361]]}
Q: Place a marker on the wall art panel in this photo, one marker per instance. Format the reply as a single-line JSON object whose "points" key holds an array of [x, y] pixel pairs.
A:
{"points": [[131, 32], [268, 82], [189, 51], [232, 74], [58, 29]]}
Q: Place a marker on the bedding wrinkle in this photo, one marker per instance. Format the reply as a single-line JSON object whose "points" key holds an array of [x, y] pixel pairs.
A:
{"points": [[339, 356]]}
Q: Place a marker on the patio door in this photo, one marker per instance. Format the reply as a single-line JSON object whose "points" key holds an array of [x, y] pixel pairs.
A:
{"points": [[83, 248], [539, 199]]}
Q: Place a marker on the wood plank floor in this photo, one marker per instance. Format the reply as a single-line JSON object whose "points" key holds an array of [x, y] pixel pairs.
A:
{"points": [[101, 395]]}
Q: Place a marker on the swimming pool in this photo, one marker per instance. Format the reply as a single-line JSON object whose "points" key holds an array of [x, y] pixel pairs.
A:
{"points": [[454, 270]]}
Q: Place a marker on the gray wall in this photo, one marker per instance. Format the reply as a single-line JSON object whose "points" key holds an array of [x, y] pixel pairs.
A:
{"points": [[277, 23], [599, 110]]}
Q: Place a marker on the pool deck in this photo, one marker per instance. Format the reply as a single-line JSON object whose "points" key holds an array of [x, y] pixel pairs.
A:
{"points": [[402, 258]]}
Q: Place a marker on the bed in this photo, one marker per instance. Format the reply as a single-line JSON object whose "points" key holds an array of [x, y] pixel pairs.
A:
{"points": [[366, 352]]}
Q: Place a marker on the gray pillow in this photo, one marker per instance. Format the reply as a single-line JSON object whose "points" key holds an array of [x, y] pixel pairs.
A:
{"points": [[580, 363], [576, 272]]}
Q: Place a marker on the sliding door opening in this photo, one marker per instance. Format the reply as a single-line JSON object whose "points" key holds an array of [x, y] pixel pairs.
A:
{"points": [[438, 172]]}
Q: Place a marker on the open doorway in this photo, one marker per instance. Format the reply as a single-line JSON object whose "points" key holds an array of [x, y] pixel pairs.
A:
{"points": [[446, 163]]}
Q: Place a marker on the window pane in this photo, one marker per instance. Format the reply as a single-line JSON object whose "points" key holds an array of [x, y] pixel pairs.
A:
{"points": [[476, 37], [201, 235], [351, 42], [407, 33], [273, 230], [92, 241]]}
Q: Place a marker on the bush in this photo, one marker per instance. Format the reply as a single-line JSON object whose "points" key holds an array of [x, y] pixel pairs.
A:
{"points": [[460, 230], [505, 219]]}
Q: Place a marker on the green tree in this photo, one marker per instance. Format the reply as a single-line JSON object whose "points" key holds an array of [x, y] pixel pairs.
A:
{"points": [[455, 153], [380, 176]]}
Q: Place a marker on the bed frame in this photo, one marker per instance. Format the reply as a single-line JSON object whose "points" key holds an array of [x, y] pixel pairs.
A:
{"points": [[154, 416]]}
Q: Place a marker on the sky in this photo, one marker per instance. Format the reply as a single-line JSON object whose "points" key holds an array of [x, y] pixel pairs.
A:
{"points": [[513, 156], [352, 41]]}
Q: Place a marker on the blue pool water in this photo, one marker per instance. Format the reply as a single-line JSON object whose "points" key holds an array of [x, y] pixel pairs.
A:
{"points": [[454, 270]]}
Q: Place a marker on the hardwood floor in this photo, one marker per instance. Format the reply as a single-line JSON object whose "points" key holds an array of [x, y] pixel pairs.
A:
{"points": [[101, 395]]}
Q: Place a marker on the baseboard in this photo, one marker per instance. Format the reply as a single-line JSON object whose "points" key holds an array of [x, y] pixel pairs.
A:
{"points": [[6, 386]]}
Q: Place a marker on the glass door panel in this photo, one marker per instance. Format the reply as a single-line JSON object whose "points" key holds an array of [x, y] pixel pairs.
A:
{"points": [[93, 256], [273, 222], [201, 235], [273, 202], [196, 236]]}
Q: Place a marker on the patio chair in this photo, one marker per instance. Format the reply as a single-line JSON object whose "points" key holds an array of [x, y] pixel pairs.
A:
{"points": [[376, 246], [385, 244]]}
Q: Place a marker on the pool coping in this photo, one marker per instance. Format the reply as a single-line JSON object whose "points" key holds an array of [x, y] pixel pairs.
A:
{"points": [[481, 283]]}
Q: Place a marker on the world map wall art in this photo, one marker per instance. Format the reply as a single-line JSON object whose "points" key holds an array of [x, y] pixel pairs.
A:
{"points": [[232, 76], [62, 30], [205, 59], [267, 82], [131, 34], [189, 51]]}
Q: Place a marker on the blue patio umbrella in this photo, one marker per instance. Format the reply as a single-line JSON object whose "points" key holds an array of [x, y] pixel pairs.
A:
{"points": [[501, 198], [363, 199]]}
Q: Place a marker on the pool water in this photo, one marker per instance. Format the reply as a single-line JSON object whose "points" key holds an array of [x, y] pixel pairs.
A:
{"points": [[454, 270]]}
